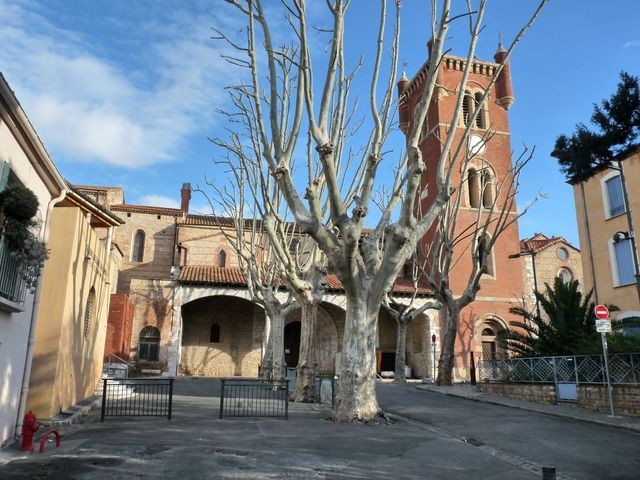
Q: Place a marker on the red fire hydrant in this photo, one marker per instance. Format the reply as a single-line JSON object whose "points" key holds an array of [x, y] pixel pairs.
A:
{"points": [[29, 427]]}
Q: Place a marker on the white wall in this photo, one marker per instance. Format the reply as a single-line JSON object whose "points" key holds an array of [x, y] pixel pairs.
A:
{"points": [[14, 327]]}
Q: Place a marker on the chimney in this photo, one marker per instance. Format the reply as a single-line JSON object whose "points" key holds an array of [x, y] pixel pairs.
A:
{"points": [[185, 195]]}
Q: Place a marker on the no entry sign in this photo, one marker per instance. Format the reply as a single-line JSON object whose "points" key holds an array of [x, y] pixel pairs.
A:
{"points": [[602, 312]]}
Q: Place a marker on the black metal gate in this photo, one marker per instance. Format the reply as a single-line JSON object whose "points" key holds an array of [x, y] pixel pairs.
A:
{"points": [[244, 397], [137, 397]]}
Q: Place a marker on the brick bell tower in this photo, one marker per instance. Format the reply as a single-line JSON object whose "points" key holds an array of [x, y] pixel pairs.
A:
{"points": [[502, 285]]}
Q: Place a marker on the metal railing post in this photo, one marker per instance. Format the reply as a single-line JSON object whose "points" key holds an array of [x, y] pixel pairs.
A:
{"points": [[221, 398], [286, 400], [170, 397], [104, 399]]}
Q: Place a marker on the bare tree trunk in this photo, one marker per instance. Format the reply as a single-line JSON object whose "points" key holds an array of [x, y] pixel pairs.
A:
{"points": [[277, 341], [306, 370], [267, 350], [445, 362], [356, 397], [401, 350]]}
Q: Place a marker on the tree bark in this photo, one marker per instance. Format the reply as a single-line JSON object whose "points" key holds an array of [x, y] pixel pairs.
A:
{"points": [[356, 397], [267, 350], [401, 350], [445, 362], [277, 341], [306, 369]]}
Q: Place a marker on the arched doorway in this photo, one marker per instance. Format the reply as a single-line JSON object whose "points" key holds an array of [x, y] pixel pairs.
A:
{"points": [[148, 344], [489, 346], [221, 337], [292, 343]]}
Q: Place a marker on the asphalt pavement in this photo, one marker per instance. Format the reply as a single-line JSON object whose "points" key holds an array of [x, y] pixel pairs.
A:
{"points": [[422, 442]]}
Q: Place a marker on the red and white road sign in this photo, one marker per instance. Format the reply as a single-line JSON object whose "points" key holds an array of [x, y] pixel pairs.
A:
{"points": [[602, 312]]}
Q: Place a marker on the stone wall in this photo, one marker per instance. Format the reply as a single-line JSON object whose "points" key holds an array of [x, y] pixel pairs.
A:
{"points": [[626, 398], [238, 351], [160, 231]]}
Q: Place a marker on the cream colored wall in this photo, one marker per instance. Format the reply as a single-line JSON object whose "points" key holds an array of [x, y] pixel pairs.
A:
{"points": [[66, 364], [602, 230]]}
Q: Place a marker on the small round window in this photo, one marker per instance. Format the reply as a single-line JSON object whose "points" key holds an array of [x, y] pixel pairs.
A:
{"points": [[563, 254]]}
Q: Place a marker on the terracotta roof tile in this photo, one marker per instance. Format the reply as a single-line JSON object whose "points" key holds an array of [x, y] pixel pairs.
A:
{"points": [[540, 241], [233, 276], [207, 274], [175, 212]]}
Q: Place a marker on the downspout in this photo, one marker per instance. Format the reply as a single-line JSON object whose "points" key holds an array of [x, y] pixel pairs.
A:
{"points": [[109, 240], [26, 376], [535, 281], [586, 221]]}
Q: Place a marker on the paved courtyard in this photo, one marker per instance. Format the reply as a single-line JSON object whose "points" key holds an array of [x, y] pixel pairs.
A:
{"points": [[426, 441]]}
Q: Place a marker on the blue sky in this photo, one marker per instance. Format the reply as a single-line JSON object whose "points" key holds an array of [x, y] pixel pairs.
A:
{"points": [[125, 93]]}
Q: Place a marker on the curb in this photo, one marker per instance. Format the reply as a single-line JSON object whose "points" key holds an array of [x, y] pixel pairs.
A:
{"points": [[598, 421]]}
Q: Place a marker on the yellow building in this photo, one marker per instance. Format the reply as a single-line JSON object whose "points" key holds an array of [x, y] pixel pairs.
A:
{"points": [[606, 222], [77, 282]]}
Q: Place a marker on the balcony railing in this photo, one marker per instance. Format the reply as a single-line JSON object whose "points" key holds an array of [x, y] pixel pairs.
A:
{"points": [[11, 285]]}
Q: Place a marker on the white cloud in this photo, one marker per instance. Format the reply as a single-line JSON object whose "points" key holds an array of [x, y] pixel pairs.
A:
{"points": [[129, 112], [632, 44]]}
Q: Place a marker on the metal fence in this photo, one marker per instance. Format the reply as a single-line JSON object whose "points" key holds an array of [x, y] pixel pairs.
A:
{"points": [[242, 397], [324, 386], [623, 369], [139, 397], [11, 284]]}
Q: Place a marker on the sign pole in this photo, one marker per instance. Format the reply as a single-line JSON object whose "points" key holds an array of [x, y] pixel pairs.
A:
{"points": [[603, 325], [606, 369]]}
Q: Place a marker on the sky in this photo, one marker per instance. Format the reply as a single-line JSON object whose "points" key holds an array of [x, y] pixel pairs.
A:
{"points": [[127, 93]]}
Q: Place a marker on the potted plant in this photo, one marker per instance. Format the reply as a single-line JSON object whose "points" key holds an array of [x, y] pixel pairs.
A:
{"points": [[19, 207]]}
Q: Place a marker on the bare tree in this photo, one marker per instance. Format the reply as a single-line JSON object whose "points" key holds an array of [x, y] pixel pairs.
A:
{"points": [[258, 261], [366, 272], [300, 263], [404, 311], [457, 241]]}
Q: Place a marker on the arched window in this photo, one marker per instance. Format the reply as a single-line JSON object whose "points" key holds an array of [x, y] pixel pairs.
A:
{"points": [[214, 335], [149, 344], [89, 312], [481, 121], [487, 188], [467, 107], [473, 187], [485, 255], [222, 258], [137, 251], [565, 275]]}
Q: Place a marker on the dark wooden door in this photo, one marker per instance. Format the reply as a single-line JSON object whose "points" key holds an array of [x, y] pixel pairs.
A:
{"points": [[292, 344]]}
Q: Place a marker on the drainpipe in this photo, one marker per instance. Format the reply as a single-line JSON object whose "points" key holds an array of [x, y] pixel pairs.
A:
{"points": [[535, 281], [109, 240], [26, 376]]}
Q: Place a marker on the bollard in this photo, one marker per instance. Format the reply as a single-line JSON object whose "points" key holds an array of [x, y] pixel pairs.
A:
{"points": [[548, 473], [44, 439]]}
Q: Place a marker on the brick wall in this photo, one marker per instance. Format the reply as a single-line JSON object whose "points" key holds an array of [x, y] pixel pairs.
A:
{"points": [[119, 327], [626, 398]]}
